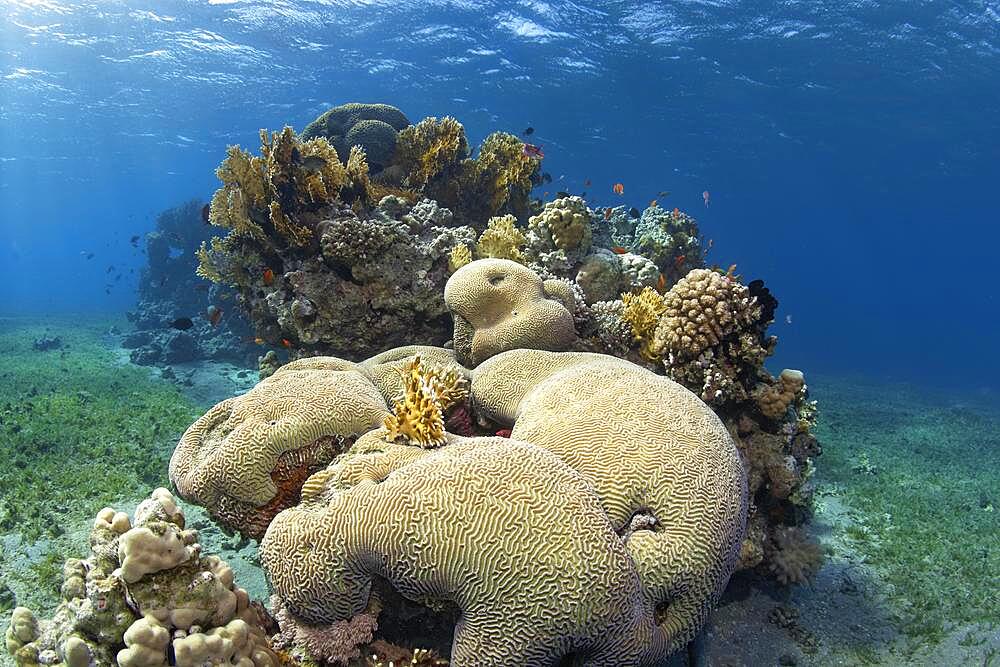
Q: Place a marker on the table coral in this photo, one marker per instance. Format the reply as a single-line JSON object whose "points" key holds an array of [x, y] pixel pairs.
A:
{"points": [[664, 466], [247, 457], [502, 529], [499, 305], [114, 614]]}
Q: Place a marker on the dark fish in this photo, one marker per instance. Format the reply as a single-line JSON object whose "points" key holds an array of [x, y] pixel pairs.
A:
{"points": [[213, 314], [134, 240], [107, 291], [584, 194], [561, 194], [528, 131], [546, 177], [205, 210], [634, 212], [87, 255], [182, 323], [110, 268], [532, 151], [118, 277], [313, 163]]}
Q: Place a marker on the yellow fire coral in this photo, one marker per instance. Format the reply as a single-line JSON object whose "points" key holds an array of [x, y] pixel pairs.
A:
{"points": [[418, 417], [503, 172], [642, 312], [501, 239], [430, 147], [459, 257]]}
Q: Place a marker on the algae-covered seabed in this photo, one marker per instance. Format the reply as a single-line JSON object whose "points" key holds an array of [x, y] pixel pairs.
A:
{"points": [[908, 502]]}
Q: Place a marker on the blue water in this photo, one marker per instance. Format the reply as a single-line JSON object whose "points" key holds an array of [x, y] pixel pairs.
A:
{"points": [[851, 149]]}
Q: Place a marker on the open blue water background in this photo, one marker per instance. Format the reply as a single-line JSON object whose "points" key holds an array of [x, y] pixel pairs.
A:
{"points": [[851, 149]]}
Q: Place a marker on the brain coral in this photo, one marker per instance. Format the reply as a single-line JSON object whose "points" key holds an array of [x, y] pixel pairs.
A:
{"points": [[247, 457], [513, 537], [665, 468], [499, 305], [374, 127]]}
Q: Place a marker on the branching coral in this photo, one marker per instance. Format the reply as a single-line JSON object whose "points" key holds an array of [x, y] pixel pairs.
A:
{"points": [[418, 416], [501, 240], [642, 311]]}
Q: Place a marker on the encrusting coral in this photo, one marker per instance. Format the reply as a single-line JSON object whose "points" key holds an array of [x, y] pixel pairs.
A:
{"points": [[134, 604]]}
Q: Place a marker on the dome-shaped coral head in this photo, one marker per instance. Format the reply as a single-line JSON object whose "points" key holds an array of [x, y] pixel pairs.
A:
{"points": [[500, 305]]}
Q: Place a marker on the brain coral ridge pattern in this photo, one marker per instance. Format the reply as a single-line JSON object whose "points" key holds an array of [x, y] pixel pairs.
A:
{"points": [[665, 468], [505, 530]]}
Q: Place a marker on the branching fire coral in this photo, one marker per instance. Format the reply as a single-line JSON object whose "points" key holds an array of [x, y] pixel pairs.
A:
{"points": [[642, 311], [428, 391], [501, 239]]}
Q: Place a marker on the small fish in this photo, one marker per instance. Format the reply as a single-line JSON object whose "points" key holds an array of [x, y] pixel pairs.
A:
{"points": [[634, 212], [678, 261], [710, 244], [213, 314], [788, 319], [545, 194], [258, 340], [224, 297], [313, 163], [677, 212], [503, 433], [618, 250], [562, 194], [587, 183], [583, 194], [135, 240], [111, 268], [663, 193], [118, 277], [268, 276], [87, 255], [205, 210], [705, 196], [607, 214], [618, 188], [661, 284], [533, 151], [107, 290], [182, 323], [286, 343], [546, 177], [731, 271], [528, 131], [652, 203]]}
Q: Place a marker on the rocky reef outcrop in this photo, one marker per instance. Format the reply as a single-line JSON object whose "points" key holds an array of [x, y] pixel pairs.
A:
{"points": [[170, 294]]}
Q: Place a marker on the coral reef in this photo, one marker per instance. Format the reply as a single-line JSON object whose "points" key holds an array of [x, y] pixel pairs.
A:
{"points": [[559, 237], [499, 305], [668, 238], [169, 289], [145, 595], [373, 127]]}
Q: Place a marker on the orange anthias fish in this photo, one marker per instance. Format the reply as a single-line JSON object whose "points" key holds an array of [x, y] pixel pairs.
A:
{"points": [[607, 214], [285, 342], [661, 284], [706, 197], [213, 314], [678, 261], [618, 250], [652, 203], [677, 212], [268, 276], [618, 189]]}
